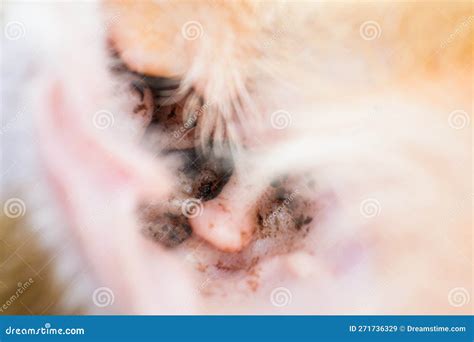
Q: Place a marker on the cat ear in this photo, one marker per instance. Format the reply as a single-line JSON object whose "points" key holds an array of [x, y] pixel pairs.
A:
{"points": [[97, 173], [98, 186]]}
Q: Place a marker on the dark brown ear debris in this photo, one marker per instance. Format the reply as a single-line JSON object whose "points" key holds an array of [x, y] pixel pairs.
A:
{"points": [[168, 229], [209, 174], [200, 178]]}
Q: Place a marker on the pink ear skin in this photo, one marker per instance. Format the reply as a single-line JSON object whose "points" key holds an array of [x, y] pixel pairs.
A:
{"points": [[228, 221], [85, 145], [98, 187], [225, 225]]}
